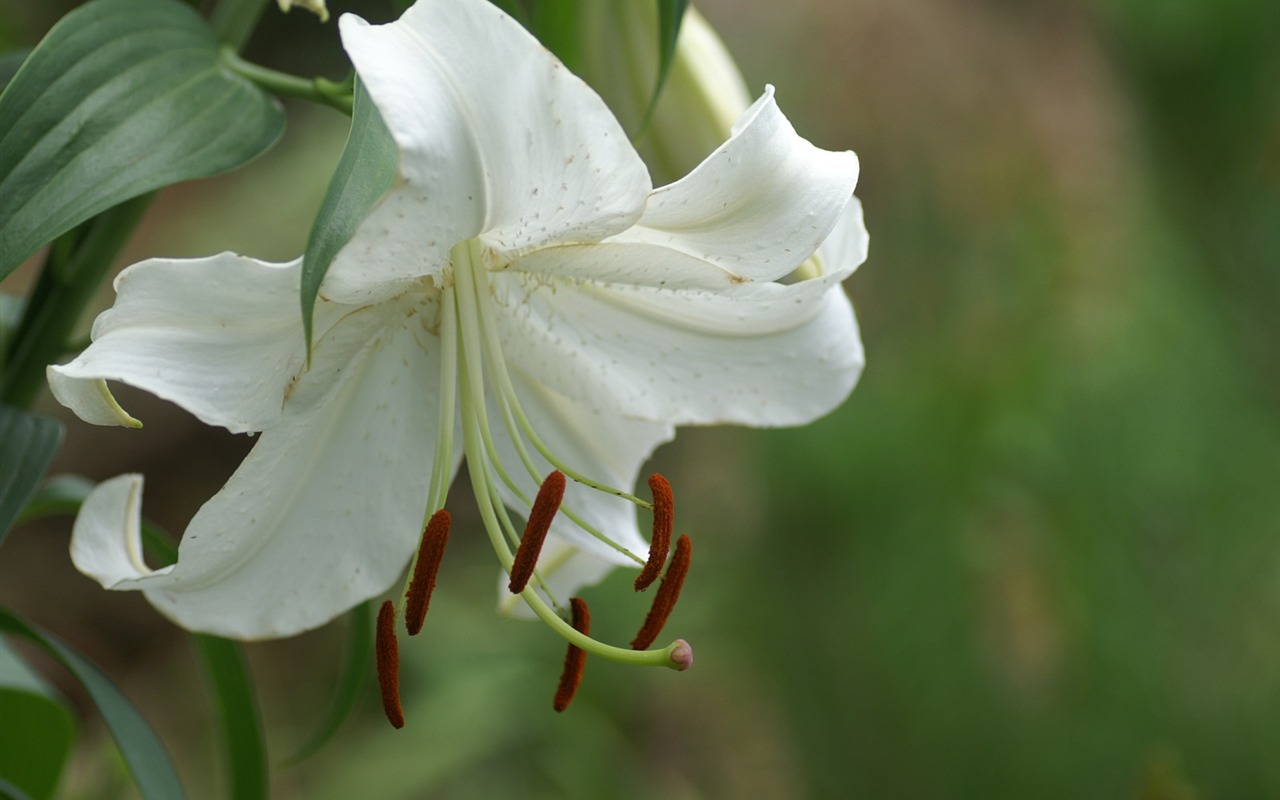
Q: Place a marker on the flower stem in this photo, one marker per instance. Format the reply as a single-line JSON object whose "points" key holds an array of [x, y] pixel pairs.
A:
{"points": [[339, 95], [74, 267]]}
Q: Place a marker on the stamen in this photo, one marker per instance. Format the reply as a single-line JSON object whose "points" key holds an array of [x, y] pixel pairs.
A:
{"points": [[535, 532], [575, 659], [430, 551], [387, 657], [664, 517], [665, 599]]}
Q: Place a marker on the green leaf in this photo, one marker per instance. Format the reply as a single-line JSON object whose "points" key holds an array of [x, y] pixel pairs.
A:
{"points": [[238, 715], [365, 173], [670, 16], [120, 98], [145, 756], [9, 63], [12, 307], [29, 442], [235, 702], [555, 23], [61, 494], [37, 729], [355, 671]]}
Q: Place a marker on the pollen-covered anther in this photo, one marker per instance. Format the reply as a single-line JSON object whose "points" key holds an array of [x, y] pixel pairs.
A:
{"points": [[664, 519], [387, 659], [575, 659], [665, 598], [418, 598], [541, 514]]}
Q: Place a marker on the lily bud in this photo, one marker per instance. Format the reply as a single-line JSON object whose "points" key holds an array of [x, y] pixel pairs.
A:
{"points": [[314, 6]]}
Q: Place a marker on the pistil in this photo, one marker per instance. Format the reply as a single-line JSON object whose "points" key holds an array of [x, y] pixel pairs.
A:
{"points": [[479, 358]]}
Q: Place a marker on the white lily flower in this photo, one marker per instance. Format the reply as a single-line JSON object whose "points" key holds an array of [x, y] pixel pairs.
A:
{"points": [[522, 297]]}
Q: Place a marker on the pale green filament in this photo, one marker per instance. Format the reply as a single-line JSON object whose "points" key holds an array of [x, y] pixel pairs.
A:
{"points": [[471, 313], [483, 465], [442, 467], [509, 393]]}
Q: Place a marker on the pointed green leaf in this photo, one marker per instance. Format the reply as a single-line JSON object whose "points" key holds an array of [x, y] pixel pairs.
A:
{"points": [[670, 15], [29, 442], [237, 706], [355, 671], [555, 23], [9, 63], [120, 98], [365, 173], [36, 732], [145, 756], [61, 494]]}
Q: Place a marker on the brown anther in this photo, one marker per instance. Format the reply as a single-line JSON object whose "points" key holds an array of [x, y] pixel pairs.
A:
{"points": [[430, 551], [664, 519], [387, 658], [665, 598], [575, 660], [543, 511]]}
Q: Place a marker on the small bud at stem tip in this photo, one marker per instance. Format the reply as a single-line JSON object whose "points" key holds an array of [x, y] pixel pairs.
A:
{"points": [[664, 518], [682, 655], [575, 659], [541, 514], [434, 537], [665, 599], [387, 658]]}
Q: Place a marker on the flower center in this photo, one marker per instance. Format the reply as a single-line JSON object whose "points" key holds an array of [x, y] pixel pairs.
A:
{"points": [[476, 388]]}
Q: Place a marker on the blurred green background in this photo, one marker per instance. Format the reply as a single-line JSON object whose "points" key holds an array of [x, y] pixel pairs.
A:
{"points": [[1037, 553]]}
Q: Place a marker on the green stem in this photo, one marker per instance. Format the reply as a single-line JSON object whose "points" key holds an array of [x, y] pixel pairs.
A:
{"points": [[318, 90], [75, 266], [233, 21]]}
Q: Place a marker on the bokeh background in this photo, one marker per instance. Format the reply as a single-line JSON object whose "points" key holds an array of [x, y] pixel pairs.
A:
{"points": [[1037, 553]]}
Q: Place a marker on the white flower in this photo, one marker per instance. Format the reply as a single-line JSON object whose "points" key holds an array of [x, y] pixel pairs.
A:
{"points": [[522, 297]]}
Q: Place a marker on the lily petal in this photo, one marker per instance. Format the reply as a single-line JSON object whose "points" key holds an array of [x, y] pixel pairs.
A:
{"points": [[642, 264], [219, 336], [635, 263], [324, 512], [846, 248], [761, 354], [106, 540], [496, 139], [759, 205]]}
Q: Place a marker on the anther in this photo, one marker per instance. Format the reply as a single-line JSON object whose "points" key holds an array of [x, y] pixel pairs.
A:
{"points": [[665, 599], [430, 551], [575, 659], [387, 658], [664, 517], [541, 514]]}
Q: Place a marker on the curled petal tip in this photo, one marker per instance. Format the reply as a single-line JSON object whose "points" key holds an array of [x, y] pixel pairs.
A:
{"points": [[681, 655]]}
